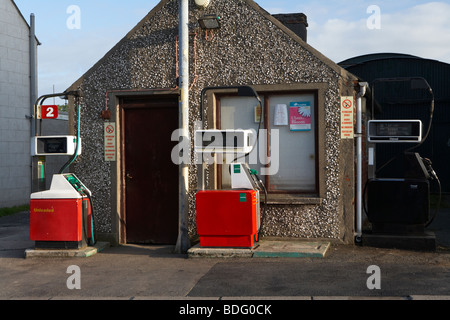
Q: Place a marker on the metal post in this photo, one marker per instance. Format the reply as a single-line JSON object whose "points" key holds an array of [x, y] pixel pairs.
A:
{"points": [[359, 195], [33, 96], [33, 71], [183, 242]]}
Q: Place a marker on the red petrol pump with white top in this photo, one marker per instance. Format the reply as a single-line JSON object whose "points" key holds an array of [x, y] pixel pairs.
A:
{"points": [[230, 218], [61, 217]]}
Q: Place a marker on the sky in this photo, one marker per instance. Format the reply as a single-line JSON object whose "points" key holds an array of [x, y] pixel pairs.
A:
{"points": [[75, 34]]}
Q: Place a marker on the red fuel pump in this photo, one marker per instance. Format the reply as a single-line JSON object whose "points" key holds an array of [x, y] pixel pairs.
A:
{"points": [[230, 218], [60, 218]]}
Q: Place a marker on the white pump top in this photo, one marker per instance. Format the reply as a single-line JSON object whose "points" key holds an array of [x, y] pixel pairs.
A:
{"points": [[62, 188]]}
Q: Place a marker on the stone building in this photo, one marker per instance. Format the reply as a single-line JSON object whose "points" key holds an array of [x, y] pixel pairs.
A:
{"points": [[132, 96]]}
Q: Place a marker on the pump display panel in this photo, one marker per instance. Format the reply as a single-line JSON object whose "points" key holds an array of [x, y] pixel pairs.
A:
{"points": [[54, 146], [391, 131], [224, 141]]}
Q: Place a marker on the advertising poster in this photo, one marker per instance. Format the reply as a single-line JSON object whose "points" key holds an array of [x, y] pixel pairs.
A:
{"points": [[300, 116]]}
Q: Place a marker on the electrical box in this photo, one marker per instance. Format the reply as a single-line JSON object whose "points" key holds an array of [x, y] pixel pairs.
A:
{"points": [[54, 146], [394, 131], [228, 218], [60, 218], [224, 141]]}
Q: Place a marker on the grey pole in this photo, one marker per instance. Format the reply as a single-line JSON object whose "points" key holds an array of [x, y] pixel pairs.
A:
{"points": [[183, 242], [33, 72], [33, 97]]}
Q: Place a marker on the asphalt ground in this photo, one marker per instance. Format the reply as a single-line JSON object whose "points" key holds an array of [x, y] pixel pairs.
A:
{"points": [[155, 273]]}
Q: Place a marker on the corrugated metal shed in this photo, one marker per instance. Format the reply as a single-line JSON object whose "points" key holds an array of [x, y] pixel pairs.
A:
{"points": [[399, 101]]}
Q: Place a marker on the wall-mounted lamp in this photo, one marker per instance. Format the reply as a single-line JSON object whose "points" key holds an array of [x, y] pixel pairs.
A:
{"points": [[210, 21], [202, 3]]}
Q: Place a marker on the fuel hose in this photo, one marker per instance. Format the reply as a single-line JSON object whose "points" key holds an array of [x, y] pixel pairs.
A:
{"points": [[75, 155]]}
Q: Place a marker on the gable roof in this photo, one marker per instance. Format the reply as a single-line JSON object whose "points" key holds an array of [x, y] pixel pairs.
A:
{"points": [[332, 65], [20, 13], [23, 18]]}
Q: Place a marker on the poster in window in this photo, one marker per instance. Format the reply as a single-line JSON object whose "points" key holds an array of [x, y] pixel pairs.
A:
{"points": [[300, 116], [281, 115]]}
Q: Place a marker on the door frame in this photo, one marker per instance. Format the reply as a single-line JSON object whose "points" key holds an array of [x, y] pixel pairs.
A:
{"points": [[117, 180]]}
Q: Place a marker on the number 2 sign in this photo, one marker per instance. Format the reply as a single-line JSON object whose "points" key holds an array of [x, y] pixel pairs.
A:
{"points": [[49, 112]]}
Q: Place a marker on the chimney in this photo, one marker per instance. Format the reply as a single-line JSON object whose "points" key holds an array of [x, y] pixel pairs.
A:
{"points": [[297, 22]]}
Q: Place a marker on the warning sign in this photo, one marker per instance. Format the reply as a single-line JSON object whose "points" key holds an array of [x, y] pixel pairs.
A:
{"points": [[110, 141], [347, 105]]}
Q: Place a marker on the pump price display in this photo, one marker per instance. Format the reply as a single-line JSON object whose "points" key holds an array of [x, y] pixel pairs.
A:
{"points": [[49, 112]]}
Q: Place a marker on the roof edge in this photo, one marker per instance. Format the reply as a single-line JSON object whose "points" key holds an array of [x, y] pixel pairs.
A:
{"points": [[366, 58], [330, 63], [117, 45], [23, 18]]}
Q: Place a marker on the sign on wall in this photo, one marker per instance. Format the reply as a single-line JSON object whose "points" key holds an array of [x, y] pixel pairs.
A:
{"points": [[110, 141], [347, 105]]}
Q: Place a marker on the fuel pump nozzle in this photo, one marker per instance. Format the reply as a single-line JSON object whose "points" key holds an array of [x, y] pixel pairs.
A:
{"points": [[428, 165]]}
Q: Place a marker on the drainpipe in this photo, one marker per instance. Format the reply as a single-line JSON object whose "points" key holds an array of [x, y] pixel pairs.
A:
{"points": [[183, 242], [362, 91], [33, 96], [33, 72]]}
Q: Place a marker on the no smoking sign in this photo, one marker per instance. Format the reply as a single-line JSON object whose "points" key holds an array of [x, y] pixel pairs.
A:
{"points": [[347, 131], [110, 141], [347, 104], [109, 129]]}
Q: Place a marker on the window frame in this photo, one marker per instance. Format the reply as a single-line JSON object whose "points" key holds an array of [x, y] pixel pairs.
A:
{"points": [[265, 97]]}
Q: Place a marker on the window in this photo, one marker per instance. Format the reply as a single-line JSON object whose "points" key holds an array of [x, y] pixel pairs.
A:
{"points": [[289, 161]]}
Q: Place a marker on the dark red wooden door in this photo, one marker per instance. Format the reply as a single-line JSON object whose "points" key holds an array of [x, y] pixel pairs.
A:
{"points": [[150, 176]]}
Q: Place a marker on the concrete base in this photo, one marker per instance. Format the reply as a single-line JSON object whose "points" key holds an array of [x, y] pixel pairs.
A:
{"points": [[418, 242], [61, 253], [265, 249]]}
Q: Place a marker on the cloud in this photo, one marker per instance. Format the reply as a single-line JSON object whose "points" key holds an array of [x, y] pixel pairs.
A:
{"points": [[423, 30], [62, 62]]}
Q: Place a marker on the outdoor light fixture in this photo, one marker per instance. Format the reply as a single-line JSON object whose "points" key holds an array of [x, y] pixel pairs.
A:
{"points": [[210, 21], [202, 3]]}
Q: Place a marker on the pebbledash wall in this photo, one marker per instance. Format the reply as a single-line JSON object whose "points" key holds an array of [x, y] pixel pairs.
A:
{"points": [[251, 48]]}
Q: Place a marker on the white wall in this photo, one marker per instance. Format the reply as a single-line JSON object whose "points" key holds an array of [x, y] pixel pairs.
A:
{"points": [[15, 170]]}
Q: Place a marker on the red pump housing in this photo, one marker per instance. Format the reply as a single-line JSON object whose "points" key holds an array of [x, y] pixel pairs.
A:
{"points": [[228, 218]]}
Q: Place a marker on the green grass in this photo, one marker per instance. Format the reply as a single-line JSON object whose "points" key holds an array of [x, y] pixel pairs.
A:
{"points": [[13, 210]]}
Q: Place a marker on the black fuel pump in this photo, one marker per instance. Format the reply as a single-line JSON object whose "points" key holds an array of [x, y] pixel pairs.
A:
{"points": [[398, 207]]}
